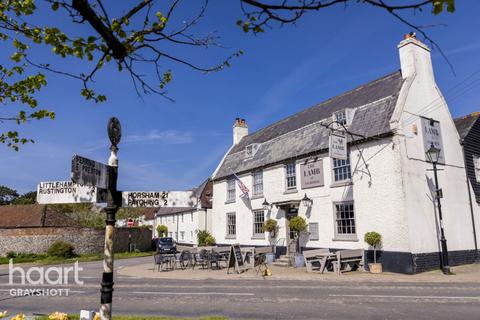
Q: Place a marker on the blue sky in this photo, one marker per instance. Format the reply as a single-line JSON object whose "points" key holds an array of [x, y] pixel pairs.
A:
{"points": [[285, 70]]}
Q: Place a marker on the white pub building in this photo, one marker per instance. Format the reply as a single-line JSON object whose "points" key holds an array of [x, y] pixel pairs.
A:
{"points": [[385, 185]]}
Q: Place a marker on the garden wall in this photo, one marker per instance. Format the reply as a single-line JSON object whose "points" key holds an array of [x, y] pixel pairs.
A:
{"points": [[85, 240]]}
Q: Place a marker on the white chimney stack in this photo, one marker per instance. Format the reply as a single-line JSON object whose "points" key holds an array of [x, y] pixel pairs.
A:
{"points": [[415, 58], [240, 130]]}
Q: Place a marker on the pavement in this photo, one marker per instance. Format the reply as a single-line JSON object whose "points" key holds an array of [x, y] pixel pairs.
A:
{"points": [[288, 294]]}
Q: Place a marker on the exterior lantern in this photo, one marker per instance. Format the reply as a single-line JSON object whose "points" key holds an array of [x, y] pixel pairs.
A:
{"points": [[266, 205], [433, 154], [307, 202]]}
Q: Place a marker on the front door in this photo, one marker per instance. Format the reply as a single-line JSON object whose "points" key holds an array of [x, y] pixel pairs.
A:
{"points": [[290, 212]]}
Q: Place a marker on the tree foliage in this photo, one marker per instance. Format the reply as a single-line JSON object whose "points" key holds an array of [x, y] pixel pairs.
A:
{"points": [[26, 198], [271, 226], [7, 195], [373, 239], [204, 238], [162, 231], [297, 225], [130, 35]]}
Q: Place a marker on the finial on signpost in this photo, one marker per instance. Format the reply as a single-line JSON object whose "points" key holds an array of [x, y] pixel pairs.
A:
{"points": [[114, 134]]}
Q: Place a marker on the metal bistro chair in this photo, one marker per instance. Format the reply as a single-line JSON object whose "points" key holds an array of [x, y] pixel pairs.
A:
{"points": [[160, 260], [184, 259], [201, 258], [214, 259]]}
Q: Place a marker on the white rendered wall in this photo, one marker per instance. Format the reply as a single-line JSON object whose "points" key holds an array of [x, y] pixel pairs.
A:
{"points": [[174, 224]]}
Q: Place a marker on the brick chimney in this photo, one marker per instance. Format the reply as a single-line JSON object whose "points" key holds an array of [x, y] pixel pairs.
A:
{"points": [[415, 58], [240, 130]]}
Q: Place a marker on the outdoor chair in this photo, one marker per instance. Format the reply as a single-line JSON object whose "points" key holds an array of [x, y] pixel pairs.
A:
{"points": [[214, 259], [160, 261], [201, 258], [260, 263], [184, 259]]}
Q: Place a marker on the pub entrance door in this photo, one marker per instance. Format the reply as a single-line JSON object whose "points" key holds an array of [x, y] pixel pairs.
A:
{"points": [[290, 212]]}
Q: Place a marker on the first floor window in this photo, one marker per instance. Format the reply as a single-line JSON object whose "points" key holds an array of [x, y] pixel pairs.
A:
{"points": [[345, 218], [341, 169], [258, 221], [257, 183], [231, 190], [291, 176], [231, 224]]}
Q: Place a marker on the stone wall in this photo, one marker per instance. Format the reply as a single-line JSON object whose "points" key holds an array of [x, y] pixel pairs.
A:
{"points": [[85, 240]]}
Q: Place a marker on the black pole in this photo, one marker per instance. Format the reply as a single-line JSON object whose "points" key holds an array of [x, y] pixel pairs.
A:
{"points": [[444, 259]]}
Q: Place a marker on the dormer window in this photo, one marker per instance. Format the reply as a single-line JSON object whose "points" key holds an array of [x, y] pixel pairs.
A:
{"points": [[251, 149], [343, 117]]}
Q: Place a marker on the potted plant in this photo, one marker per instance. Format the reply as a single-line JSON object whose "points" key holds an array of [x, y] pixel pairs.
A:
{"points": [[271, 226], [298, 225], [374, 239], [162, 231]]}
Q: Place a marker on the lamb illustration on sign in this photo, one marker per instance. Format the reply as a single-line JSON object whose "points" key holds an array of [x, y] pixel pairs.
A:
{"points": [[146, 199]]}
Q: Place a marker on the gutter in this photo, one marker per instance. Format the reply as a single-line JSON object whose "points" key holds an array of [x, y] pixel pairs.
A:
{"points": [[462, 143]]}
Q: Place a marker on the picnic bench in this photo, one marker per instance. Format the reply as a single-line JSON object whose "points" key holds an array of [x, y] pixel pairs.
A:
{"points": [[348, 260], [317, 259]]}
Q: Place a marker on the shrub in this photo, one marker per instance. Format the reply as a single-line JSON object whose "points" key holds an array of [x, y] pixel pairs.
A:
{"points": [[204, 238], [162, 230], [297, 224], [11, 254], [270, 226], [61, 249], [373, 239]]}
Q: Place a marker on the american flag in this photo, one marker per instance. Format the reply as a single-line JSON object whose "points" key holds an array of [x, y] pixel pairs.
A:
{"points": [[242, 187]]}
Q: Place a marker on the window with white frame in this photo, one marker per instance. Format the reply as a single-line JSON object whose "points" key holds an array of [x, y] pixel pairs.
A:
{"points": [[476, 166], [291, 176], [231, 224], [258, 183], [231, 190], [341, 169], [258, 221], [345, 219], [182, 235], [313, 231], [251, 149], [176, 235], [340, 117]]}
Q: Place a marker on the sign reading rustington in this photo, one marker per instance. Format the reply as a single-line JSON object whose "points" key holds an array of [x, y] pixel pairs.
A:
{"points": [[68, 192], [89, 172], [312, 174], [146, 199], [338, 146], [432, 134]]}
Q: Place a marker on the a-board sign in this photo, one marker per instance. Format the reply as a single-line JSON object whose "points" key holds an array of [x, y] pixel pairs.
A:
{"points": [[235, 259], [146, 199], [88, 172], [51, 192]]}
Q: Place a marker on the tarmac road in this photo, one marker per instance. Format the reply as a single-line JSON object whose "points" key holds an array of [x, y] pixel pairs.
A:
{"points": [[252, 299]]}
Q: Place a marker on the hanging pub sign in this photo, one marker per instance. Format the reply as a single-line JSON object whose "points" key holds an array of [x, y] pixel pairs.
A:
{"points": [[145, 199], [312, 174], [338, 146], [68, 192], [88, 172], [432, 134]]}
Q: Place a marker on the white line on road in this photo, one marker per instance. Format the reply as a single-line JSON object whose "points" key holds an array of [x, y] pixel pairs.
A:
{"points": [[401, 297], [196, 293]]}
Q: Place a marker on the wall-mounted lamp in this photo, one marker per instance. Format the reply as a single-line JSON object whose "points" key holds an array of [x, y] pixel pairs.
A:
{"points": [[266, 205], [307, 202]]}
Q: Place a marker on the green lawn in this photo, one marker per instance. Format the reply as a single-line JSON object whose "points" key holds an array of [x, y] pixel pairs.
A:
{"points": [[44, 259], [76, 317]]}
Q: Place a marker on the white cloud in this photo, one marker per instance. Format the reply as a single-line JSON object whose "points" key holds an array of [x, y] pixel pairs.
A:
{"points": [[164, 137]]}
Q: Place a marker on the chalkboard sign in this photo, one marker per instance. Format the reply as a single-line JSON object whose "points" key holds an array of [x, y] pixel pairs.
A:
{"points": [[235, 259]]}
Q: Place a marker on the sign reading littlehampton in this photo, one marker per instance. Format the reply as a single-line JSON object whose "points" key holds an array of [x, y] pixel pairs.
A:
{"points": [[87, 172], [158, 199], [68, 192], [338, 146]]}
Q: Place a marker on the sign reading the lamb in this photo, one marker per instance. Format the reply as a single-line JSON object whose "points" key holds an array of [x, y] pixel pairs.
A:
{"points": [[68, 192], [338, 146], [432, 134], [87, 172], [158, 199], [312, 174]]}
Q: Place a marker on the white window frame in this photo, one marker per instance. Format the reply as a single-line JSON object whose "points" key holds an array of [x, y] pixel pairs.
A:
{"points": [[341, 170], [313, 231], [340, 120], [291, 176], [231, 190], [251, 150], [231, 225], [345, 223], [257, 183], [257, 225]]}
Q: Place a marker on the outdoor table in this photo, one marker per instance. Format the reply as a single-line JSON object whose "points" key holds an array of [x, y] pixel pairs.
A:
{"points": [[324, 258]]}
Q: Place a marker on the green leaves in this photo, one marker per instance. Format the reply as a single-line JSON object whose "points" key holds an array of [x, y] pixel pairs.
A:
{"points": [[439, 5]]}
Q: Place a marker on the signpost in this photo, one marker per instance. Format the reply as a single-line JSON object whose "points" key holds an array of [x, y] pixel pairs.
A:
{"points": [[338, 146], [68, 192], [145, 199], [87, 172]]}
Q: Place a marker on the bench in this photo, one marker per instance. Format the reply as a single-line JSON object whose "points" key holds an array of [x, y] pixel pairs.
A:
{"points": [[312, 259], [348, 260]]}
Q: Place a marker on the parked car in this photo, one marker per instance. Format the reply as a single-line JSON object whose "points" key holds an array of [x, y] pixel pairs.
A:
{"points": [[166, 245]]}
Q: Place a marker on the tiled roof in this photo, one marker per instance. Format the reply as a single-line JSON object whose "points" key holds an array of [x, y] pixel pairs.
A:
{"points": [[33, 215], [464, 124], [302, 133], [149, 213]]}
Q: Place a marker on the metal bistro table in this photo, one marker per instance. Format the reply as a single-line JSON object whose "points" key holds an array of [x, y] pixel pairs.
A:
{"points": [[326, 258]]}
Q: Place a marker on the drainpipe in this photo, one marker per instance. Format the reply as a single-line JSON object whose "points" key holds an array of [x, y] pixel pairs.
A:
{"points": [[462, 143]]}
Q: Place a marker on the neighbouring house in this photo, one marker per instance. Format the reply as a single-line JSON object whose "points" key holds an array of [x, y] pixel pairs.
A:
{"points": [[183, 223], [384, 184]]}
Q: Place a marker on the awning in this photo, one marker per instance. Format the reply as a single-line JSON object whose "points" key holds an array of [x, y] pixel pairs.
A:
{"points": [[287, 203]]}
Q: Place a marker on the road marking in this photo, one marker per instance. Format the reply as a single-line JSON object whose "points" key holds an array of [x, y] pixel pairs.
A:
{"points": [[196, 293], [401, 297]]}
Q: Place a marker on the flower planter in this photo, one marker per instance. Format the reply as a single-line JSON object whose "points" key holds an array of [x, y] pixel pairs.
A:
{"points": [[375, 267]]}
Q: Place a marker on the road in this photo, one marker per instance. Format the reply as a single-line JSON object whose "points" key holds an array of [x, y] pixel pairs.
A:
{"points": [[252, 299]]}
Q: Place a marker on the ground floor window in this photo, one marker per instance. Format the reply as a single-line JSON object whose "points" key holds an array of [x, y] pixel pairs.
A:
{"points": [[313, 231], [258, 221], [345, 219], [231, 224]]}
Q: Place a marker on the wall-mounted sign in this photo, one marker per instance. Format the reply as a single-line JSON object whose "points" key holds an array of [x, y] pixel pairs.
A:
{"points": [[432, 134], [87, 172], [158, 199], [338, 146], [68, 192], [312, 174]]}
